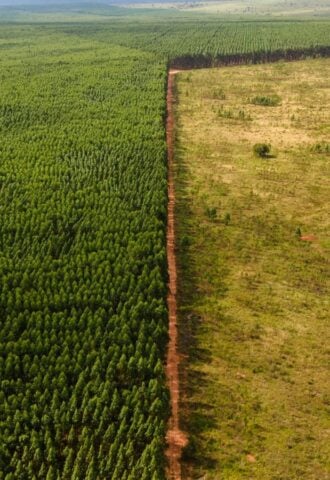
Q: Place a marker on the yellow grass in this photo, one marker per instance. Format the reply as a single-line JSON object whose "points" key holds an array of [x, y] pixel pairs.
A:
{"points": [[254, 296]]}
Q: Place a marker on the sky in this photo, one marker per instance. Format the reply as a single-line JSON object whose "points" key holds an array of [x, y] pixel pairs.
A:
{"points": [[48, 2]]}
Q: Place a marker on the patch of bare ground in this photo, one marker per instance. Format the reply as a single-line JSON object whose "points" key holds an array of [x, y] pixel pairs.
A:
{"points": [[308, 238]]}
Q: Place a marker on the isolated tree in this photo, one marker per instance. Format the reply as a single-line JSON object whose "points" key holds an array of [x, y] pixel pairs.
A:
{"points": [[262, 149]]}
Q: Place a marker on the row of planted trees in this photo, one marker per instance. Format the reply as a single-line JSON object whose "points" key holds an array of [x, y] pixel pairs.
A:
{"points": [[197, 43], [83, 264]]}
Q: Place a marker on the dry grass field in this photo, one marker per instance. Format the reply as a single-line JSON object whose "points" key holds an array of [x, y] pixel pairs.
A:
{"points": [[247, 8], [253, 253]]}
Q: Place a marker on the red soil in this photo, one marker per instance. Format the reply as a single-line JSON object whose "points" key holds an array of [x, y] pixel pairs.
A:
{"points": [[176, 439], [308, 238], [250, 458]]}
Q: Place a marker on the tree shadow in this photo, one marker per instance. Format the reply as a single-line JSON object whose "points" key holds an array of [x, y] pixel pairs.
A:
{"points": [[196, 417]]}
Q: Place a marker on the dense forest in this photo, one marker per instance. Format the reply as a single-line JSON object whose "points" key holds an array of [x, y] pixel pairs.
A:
{"points": [[83, 219]]}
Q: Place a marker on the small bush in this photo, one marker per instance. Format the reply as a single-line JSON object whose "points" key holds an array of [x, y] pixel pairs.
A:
{"points": [[271, 101], [321, 147], [225, 113], [185, 241], [211, 213], [241, 115], [226, 219], [262, 149], [244, 116], [218, 94]]}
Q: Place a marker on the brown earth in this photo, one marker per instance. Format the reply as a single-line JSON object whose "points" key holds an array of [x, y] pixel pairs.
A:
{"points": [[308, 238], [176, 439]]}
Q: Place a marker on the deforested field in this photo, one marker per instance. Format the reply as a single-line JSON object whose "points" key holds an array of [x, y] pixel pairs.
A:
{"points": [[83, 206], [253, 249]]}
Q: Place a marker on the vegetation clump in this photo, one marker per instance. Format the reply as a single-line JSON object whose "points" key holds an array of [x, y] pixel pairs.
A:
{"points": [[219, 94], [266, 101], [321, 147], [227, 218], [211, 213], [262, 150], [240, 115]]}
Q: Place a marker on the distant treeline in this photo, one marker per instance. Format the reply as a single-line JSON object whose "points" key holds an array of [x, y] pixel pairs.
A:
{"points": [[207, 61]]}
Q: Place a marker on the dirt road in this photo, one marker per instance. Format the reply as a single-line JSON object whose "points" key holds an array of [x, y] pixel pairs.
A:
{"points": [[176, 439]]}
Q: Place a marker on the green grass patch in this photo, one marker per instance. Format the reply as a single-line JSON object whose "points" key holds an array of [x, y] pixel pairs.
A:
{"points": [[266, 101]]}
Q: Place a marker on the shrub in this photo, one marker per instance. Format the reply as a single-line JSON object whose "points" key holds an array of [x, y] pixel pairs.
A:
{"points": [[241, 115], [262, 149], [225, 113], [321, 147], [185, 241], [226, 218], [211, 213], [219, 94]]}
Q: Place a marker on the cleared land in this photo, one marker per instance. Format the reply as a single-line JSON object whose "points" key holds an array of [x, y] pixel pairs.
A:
{"points": [[284, 8], [247, 8], [253, 270]]}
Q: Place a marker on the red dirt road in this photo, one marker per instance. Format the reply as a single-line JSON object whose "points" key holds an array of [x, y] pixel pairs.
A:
{"points": [[176, 439]]}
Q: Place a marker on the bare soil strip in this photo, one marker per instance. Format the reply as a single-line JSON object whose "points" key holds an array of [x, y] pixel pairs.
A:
{"points": [[176, 439]]}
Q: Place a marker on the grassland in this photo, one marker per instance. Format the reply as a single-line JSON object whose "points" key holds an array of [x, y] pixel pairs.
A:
{"points": [[253, 250], [284, 8]]}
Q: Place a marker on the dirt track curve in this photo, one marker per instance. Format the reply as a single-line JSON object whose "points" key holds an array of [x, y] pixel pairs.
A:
{"points": [[176, 439]]}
